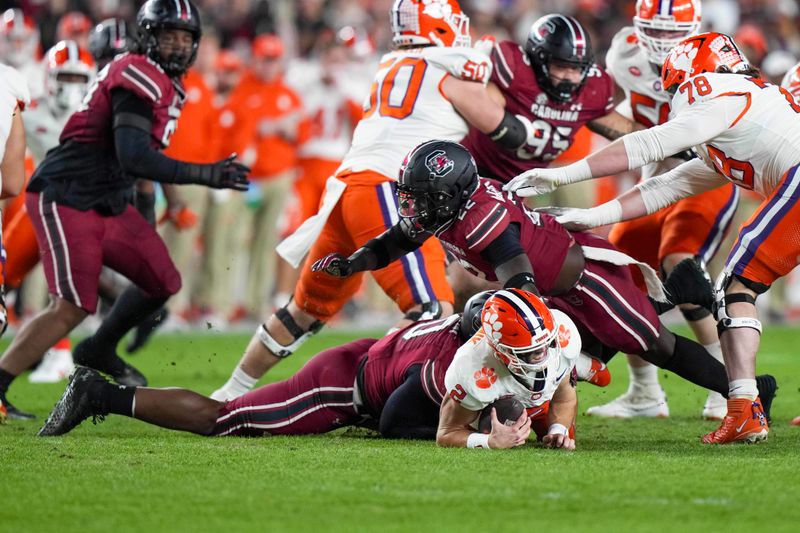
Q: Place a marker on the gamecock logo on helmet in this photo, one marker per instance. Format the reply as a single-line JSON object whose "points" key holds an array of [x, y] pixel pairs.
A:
{"points": [[439, 164]]}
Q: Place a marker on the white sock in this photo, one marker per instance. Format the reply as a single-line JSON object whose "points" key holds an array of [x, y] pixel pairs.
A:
{"points": [[644, 379], [239, 383], [583, 366], [743, 388]]}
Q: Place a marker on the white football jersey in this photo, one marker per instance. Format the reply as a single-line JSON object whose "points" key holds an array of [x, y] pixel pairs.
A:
{"points": [[753, 133], [42, 130], [648, 103], [476, 377], [13, 90], [406, 106]]}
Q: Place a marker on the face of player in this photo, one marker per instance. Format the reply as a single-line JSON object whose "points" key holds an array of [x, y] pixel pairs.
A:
{"points": [[561, 71], [173, 42], [334, 61], [268, 68], [227, 80]]}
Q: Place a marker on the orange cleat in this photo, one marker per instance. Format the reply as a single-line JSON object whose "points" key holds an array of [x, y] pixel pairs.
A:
{"points": [[599, 374], [796, 421], [745, 422], [3, 413]]}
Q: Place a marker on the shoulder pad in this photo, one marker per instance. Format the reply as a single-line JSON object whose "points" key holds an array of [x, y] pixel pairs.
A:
{"points": [[463, 63], [15, 84], [141, 76], [569, 338]]}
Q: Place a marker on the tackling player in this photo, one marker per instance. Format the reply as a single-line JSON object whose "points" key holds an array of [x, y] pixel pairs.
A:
{"points": [[494, 235], [745, 131], [79, 197], [524, 350], [431, 86], [394, 385], [691, 228]]}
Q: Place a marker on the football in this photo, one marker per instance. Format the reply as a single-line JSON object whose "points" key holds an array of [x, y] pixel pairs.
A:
{"points": [[508, 409]]}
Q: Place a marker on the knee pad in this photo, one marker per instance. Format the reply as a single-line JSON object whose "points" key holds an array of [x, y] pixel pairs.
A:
{"points": [[430, 311], [722, 301], [300, 335]]}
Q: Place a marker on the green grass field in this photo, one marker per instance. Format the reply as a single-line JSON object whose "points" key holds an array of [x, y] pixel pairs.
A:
{"points": [[643, 475]]}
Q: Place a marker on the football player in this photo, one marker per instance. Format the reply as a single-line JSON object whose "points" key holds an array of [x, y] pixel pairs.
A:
{"points": [[554, 87], [791, 81], [19, 48], [394, 385], [431, 86], [69, 70], [494, 235], [110, 38], [79, 197], [523, 350], [691, 228], [746, 132]]}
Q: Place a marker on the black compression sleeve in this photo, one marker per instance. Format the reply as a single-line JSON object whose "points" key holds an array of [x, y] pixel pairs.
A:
{"points": [[383, 250], [504, 247], [510, 133], [132, 121]]}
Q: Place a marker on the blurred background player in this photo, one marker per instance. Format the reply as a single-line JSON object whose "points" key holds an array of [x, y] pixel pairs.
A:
{"points": [[433, 85], [19, 48], [694, 227], [79, 198], [69, 71], [74, 26], [110, 37]]}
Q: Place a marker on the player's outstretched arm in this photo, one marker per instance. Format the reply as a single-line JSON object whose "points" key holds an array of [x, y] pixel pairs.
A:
{"points": [[12, 168], [613, 126], [511, 264], [455, 431], [561, 416], [377, 253], [688, 179], [132, 123]]}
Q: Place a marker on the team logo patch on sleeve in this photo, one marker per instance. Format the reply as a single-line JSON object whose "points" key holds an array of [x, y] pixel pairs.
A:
{"points": [[485, 377], [439, 164]]}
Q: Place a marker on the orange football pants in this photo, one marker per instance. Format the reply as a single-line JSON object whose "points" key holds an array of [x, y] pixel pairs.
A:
{"points": [[367, 208], [768, 246]]}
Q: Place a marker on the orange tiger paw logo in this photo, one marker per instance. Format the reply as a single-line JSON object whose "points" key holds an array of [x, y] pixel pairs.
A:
{"points": [[485, 377], [564, 335]]}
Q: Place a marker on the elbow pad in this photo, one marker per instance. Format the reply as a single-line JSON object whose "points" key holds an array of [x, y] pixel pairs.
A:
{"points": [[511, 133]]}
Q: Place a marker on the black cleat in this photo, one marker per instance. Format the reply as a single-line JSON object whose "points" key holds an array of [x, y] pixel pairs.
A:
{"points": [[87, 353], [74, 406], [11, 412], [689, 283], [767, 390], [145, 330]]}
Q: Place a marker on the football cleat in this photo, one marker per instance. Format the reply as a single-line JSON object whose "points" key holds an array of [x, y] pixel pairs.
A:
{"points": [[3, 413], [716, 406], [11, 412], [745, 422], [795, 421], [633, 404], [74, 406], [598, 375], [55, 366], [86, 354], [767, 390]]}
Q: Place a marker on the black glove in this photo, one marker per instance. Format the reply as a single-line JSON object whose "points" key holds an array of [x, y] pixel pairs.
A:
{"points": [[224, 174], [335, 265]]}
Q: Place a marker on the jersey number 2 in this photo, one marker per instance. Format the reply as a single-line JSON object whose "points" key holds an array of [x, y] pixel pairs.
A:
{"points": [[396, 94]]}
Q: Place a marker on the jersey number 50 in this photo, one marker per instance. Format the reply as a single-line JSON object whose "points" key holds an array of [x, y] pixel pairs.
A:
{"points": [[396, 94]]}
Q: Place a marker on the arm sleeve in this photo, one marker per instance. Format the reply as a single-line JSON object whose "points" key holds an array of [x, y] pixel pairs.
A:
{"points": [[506, 246], [385, 249], [688, 179], [706, 120], [132, 124]]}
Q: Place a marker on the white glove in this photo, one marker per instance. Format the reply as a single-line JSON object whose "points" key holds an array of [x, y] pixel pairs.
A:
{"points": [[575, 219], [534, 182]]}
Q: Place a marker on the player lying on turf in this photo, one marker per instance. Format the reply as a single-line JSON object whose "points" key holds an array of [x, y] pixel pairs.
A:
{"points": [[745, 130], [394, 385], [525, 351], [494, 235]]}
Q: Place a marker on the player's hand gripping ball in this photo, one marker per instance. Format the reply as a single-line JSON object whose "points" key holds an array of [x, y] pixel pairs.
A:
{"points": [[508, 410]]}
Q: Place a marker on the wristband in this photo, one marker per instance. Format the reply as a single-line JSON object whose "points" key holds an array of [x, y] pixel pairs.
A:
{"points": [[604, 214], [573, 173], [478, 440], [557, 429]]}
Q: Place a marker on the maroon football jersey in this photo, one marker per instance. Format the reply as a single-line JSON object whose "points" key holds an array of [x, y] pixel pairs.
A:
{"points": [[555, 123], [431, 343], [486, 214], [141, 76]]}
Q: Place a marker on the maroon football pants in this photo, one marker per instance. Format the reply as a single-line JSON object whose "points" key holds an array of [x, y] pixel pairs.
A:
{"points": [[74, 245], [317, 399]]}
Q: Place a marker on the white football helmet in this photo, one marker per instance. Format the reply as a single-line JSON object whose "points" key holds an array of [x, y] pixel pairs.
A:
{"points": [[661, 24], [69, 72]]}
